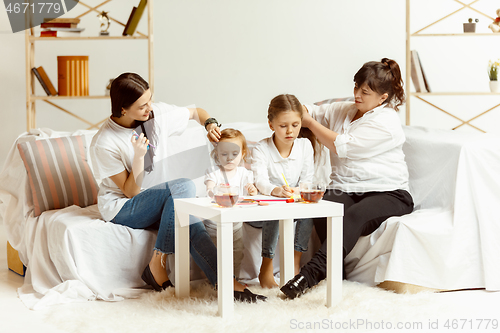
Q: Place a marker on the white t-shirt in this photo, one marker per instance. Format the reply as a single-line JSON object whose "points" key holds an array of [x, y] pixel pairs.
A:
{"points": [[112, 152], [269, 166], [242, 177], [369, 150]]}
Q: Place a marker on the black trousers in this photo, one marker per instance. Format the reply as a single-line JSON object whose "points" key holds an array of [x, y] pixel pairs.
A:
{"points": [[363, 214]]}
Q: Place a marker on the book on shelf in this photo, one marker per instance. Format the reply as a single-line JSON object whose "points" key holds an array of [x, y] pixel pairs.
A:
{"points": [[66, 29], [134, 19], [417, 74], [129, 20], [44, 81], [58, 25], [61, 32], [61, 20], [48, 33], [426, 84]]}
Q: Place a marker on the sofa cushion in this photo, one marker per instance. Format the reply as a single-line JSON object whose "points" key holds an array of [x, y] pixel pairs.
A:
{"points": [[58, 173]]}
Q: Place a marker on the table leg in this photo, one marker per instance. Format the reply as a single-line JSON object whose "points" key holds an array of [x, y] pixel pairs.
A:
{"points": [[182, 256], [225, 287], [286, 251], [335, 261]]}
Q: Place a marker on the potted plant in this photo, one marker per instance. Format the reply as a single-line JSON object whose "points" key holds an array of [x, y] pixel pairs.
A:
{"points": [[471, 26], [493, 75]]}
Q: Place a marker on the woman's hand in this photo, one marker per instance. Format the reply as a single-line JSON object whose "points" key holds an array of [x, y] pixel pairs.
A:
{"points": [[306, 117], [251, 189], [213, 134], [282, 192], [140, 145]]}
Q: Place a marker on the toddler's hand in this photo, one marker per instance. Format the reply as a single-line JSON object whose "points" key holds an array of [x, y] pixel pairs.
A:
{"points": [[251, 189], [140, 145], [282, 192]]}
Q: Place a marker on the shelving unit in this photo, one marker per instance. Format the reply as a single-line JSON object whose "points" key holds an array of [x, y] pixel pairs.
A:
{"points": [[422, 95], [30, 40]]}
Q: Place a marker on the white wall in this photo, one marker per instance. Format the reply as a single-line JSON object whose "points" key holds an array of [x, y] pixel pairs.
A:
{"points": [[232, 57]]}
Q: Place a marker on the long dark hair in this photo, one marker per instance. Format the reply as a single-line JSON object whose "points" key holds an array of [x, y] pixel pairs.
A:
{"points": [[287, 102], [125, 90], [383, 77]]}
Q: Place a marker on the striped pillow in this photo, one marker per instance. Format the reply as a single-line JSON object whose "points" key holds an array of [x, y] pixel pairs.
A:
{"points": [[58, 173]]}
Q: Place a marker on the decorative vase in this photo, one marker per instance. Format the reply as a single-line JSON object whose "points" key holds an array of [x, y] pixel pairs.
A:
{"points": [[495, 86], [469, 27]]}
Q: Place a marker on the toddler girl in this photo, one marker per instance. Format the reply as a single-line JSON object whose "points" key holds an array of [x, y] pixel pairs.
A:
{"points": [[230, 150], [285, 155]]}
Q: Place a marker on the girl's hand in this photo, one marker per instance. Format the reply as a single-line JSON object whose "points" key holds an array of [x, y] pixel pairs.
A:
{"points": [[251, 189], [306, 117], [213, 134], [140, 145], [282, 192]]}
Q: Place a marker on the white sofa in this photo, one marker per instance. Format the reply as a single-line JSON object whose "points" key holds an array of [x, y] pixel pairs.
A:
{"points": [[448, 242]]}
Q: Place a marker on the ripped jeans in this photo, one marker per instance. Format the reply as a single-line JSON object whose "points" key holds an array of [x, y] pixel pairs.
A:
{"points": [[154, 209]]}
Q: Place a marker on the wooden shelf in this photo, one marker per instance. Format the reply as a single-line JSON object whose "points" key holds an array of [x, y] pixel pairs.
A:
{"points": [[463, 93], [32, 39], [424, 96], [44, 98], [462, 34]]}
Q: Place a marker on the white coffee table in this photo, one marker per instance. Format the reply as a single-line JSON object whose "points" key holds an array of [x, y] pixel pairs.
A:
{"points": [[224, 217]]}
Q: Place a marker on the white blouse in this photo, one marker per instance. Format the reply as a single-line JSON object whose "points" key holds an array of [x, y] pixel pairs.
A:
{"points": [[369, 150], [269, 166]]}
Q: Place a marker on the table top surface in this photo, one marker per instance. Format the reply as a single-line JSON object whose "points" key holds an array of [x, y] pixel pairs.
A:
{"points": [[206, 209]]}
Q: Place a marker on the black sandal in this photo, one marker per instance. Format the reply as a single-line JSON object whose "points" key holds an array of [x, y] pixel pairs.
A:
{"points": [[147, 277], [247, 296]]}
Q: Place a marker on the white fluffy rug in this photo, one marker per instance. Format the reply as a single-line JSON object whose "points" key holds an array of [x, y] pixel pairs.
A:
{"points": [[362, 308]]}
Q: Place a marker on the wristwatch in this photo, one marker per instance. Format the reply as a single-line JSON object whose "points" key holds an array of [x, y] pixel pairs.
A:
{"points": [[212, 121]]}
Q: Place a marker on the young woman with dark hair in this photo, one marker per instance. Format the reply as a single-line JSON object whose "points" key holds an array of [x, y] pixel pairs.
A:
{"points": [[369, 173], [121, 158]]}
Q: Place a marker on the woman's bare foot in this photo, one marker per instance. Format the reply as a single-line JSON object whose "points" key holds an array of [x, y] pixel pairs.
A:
{"points": [[296, 260], [157, 267], [266, 276]]}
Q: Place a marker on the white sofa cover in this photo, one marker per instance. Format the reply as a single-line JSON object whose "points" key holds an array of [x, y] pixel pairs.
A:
{"points": [[448, 242]]}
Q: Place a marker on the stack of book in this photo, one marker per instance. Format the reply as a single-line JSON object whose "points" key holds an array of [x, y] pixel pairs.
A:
{"points": [[60, 27]]}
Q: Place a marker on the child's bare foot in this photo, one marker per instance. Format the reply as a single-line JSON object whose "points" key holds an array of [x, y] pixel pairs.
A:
{"points": [[267, 281], [266, 276]]}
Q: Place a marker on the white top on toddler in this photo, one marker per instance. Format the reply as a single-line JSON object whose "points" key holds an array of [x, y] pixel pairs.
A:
{"points": [[240, 179]]}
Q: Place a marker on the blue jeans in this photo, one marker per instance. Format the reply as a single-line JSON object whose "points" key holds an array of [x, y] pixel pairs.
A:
{"points": [[270, 232], [154, 208]]}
